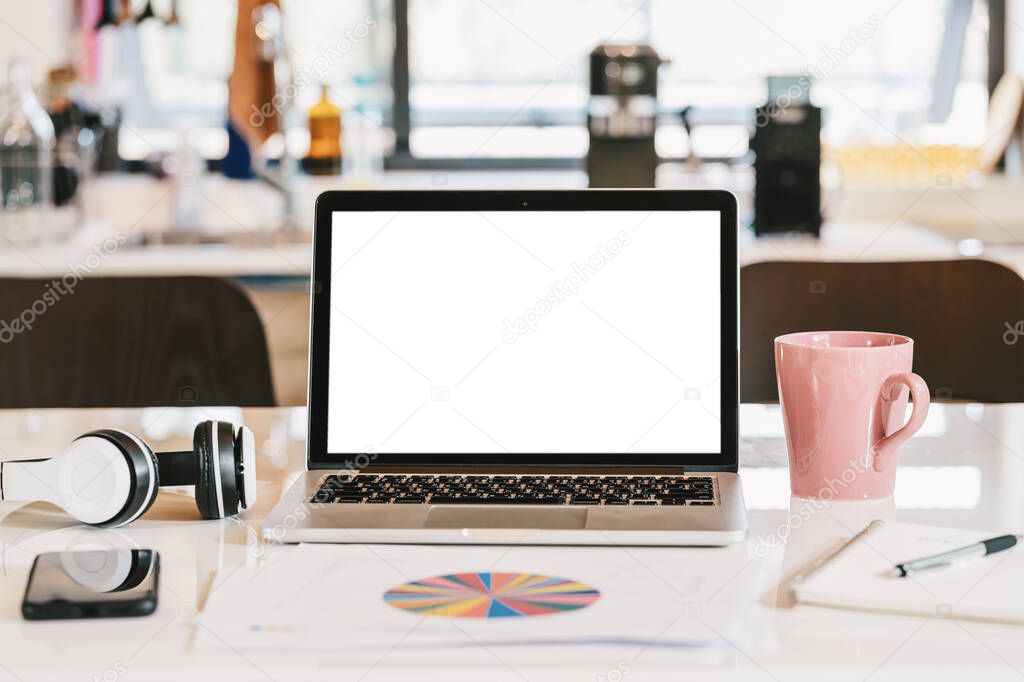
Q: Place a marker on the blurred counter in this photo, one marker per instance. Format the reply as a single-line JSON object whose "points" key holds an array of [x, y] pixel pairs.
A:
{"points": [[211, 209], [269, 256]]}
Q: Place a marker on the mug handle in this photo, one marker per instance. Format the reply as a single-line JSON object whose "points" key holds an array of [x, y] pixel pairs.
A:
{"points": [[885, 449]]}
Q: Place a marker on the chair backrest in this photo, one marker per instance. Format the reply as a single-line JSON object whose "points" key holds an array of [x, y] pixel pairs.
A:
{"points": [[956, 311], [131, 342]]}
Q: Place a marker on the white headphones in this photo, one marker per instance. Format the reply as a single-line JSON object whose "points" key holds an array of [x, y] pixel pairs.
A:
{"points": [[109, 478]]}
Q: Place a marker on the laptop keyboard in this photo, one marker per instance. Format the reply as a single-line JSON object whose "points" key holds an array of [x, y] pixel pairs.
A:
{"points": [[546, 490]]}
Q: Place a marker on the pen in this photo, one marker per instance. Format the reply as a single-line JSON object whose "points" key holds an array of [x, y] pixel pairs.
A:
{"points": [[955, 556]]}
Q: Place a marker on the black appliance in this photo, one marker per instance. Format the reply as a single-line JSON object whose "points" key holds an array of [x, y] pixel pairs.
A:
{"points": [[787, 169], [622, 116]]}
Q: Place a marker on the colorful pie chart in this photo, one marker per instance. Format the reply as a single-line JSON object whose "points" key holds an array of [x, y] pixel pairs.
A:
{"points": [[491, 595]]}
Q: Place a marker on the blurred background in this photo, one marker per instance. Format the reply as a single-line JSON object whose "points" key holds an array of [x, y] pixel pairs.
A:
{"points": [[169, 138]]}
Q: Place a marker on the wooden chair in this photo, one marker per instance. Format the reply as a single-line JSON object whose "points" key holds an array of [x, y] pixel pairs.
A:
{"points": [[956, 311], [131, 342]]}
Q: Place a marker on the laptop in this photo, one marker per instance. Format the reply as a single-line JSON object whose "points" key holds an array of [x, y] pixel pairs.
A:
{"points": [[528, 367]]}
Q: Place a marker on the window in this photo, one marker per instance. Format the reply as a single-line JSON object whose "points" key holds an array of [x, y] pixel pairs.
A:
{"points": [[515, 71], [347, 45], [496, 81]]}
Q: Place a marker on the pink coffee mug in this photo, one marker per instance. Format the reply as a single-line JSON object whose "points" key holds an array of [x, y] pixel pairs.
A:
{"points": [[843, 397]]}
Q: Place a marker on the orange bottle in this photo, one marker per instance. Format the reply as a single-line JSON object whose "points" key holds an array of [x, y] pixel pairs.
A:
{"points": [[324, 137]]}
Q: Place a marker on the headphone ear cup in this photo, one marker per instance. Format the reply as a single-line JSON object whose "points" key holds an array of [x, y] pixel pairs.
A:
{"points": [[202, 446], [144, 475], [216, 486], [227, 468]]}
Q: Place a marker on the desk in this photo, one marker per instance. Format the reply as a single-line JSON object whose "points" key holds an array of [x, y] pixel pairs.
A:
{"points": [[965, 469]]}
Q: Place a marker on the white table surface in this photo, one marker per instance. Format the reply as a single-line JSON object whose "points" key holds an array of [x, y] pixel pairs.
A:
{"points": [[965, 469]]}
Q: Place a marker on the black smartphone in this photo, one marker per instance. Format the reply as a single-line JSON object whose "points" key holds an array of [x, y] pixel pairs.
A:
{"points": [[92, 584]]}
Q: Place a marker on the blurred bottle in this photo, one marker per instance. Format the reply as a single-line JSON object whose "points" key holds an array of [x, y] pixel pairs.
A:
{"points": [[26, 160], [186, 170], [68, 121], [363, 163], [76, 127], [324, 137]]}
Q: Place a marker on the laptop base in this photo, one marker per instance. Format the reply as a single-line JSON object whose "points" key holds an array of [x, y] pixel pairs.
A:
{"points": [[296, 518]]}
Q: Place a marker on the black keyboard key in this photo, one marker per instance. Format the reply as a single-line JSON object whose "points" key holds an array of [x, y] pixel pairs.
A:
{"points": [[517, 490]]}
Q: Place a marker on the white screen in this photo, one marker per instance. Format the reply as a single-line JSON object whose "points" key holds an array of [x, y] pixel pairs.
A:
{"points": [[525, 332]]}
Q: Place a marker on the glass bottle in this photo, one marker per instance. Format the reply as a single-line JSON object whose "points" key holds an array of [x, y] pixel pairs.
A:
{"points": [[364, 145], [26, 160]]}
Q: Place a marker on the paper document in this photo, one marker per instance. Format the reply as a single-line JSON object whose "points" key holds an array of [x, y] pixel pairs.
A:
{"points": [[859, 575], [331, 598]]}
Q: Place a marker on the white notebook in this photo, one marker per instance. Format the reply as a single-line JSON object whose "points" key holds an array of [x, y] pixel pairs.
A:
{"points": [[857, 575]]}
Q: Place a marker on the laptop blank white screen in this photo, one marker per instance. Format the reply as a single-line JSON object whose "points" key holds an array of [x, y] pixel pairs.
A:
{"points": [[525, 332]]}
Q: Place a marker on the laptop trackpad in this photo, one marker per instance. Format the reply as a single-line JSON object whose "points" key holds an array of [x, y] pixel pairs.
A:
{"points": [[473, 516]]}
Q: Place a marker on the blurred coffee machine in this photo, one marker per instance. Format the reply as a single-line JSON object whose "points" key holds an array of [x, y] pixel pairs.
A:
{"points": [[787, 163], [622, 116]]}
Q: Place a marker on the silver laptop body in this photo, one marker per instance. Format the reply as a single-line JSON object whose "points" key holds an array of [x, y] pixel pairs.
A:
{"points": [[510, 367]]}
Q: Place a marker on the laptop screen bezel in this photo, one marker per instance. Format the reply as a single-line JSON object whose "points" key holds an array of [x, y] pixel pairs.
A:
{"points": [[332, 202]]}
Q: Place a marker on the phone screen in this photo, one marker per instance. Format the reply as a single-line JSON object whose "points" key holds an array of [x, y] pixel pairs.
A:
{"points": [[92, 584]]}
